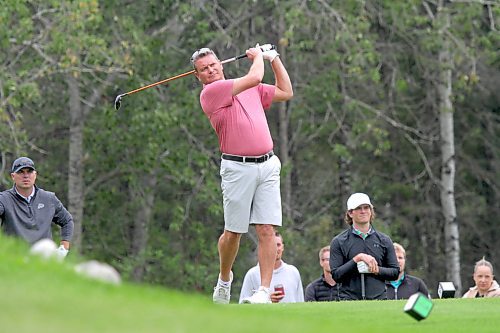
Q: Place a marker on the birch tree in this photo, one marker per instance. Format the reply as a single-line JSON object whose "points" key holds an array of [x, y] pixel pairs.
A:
{"points": [[447, 135]]}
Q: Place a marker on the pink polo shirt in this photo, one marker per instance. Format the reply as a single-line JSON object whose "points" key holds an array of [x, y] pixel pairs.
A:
{"points": [[239, 121]]}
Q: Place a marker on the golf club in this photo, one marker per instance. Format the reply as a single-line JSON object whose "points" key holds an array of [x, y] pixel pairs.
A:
{"points": [[118, 99], [363, 290]]}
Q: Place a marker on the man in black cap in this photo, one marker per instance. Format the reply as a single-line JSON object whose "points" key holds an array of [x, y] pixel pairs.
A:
{"points": [[28, 211]]}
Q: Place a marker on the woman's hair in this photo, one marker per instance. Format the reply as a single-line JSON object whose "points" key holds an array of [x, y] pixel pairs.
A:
{"points": [[483, 262], [348, 219]]}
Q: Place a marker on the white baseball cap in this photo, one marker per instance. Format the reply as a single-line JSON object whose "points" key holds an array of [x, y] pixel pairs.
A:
{"points": [[358, 199]]}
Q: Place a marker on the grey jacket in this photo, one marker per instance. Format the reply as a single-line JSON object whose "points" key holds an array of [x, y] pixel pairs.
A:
{"points": [[33, 221]]}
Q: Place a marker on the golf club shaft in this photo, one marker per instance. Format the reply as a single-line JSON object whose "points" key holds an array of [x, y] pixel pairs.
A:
{"points": [[157, 83], [118, 99], [177, 77], [363, 290]]}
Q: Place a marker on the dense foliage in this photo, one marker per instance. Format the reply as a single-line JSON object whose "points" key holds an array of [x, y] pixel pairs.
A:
{"points": [[143, 182]]}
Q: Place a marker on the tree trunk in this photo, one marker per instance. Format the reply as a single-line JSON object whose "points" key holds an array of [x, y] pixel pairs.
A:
{"points": [[344, 187], [78, 113], [75, 174], [285, 161], [144, 196], [284, 142], [452, 240]]}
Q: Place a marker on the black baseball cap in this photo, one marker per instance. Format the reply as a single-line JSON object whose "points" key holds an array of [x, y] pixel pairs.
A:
{"points": [[21, 163]]}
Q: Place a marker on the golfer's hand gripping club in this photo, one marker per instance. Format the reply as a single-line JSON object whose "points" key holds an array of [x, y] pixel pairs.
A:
{"points": [[270, 55], [265, 48], [268, 51]]}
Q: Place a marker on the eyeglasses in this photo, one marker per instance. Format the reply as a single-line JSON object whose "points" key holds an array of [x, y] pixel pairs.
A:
{"points": [[200, 53]]}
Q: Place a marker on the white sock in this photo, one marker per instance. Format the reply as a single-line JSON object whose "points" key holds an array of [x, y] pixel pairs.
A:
{"points": [[267, 290], [225, 284]]}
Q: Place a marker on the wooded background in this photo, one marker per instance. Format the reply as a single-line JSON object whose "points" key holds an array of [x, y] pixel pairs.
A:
{"points": [[397, 99]]}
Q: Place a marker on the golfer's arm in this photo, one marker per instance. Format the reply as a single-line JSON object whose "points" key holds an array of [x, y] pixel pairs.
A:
{"points": [[284, 90], [254, 76]]}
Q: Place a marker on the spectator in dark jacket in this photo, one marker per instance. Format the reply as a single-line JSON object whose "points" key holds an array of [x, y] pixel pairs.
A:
{"points": [[324, 288], [28, 211], [361, 258], [406, 285]]}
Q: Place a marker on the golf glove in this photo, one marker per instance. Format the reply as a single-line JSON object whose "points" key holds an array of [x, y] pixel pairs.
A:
{"points": [[270, 55], [265, 47], [363, 267], [268, 51], [61, 252]]}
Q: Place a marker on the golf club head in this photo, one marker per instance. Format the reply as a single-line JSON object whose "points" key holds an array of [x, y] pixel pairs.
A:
{"points": [[118, 102]]}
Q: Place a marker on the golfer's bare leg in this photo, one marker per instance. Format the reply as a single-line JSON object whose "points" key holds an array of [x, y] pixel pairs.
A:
{"points": [[266, 252], [229, 243]]}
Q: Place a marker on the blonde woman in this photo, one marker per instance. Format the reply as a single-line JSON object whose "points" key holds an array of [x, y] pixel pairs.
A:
{"points": [[485, 286]]}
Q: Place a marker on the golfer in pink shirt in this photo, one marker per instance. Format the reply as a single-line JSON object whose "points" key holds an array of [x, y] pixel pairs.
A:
{"points": [[250, 170]]}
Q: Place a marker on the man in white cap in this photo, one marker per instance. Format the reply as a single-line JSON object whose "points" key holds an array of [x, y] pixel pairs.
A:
{"points": [[28, 211], [361, 258]]}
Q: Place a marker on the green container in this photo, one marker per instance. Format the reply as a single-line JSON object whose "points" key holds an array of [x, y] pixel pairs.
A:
{"points": [[418, 306]]}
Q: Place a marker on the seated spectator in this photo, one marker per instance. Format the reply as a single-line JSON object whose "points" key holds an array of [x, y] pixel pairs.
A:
{"points": [[286, 275], [324, 288], [485, 286], [406, 285]]}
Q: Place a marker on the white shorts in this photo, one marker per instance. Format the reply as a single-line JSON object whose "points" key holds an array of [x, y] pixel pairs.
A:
{"points": [[251, 193]]}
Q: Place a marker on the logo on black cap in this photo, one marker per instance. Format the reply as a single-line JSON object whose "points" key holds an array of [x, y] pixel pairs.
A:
{"points": [[21, 163]]}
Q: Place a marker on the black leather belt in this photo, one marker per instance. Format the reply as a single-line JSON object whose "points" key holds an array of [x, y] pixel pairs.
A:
{"points": [[244, 159]]}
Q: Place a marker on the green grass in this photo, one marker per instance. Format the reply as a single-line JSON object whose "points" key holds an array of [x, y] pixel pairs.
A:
{"points": [[38, 296]]}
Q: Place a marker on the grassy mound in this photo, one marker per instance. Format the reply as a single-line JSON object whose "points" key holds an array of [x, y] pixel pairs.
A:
{"points": [[39, 296]]}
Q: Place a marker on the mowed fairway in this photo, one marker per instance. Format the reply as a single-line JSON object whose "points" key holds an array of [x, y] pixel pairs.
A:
{"points": [[37, 297]]}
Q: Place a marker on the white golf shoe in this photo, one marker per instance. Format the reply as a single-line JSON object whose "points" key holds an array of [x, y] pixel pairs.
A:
{"points": [[222, 294], [260, 296]]}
